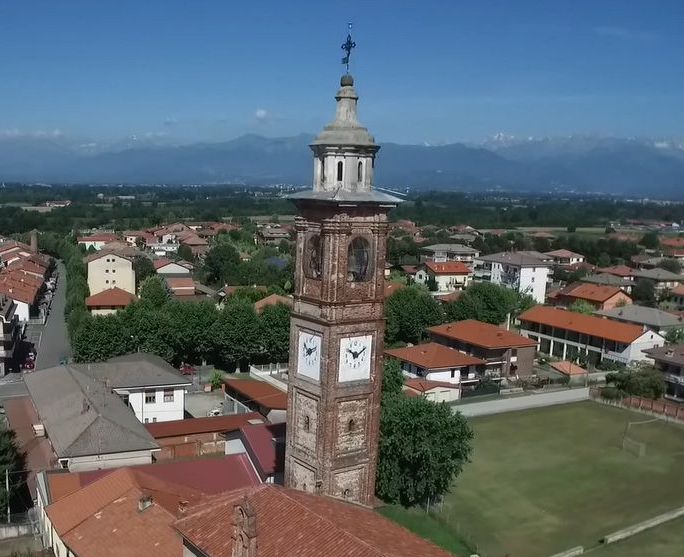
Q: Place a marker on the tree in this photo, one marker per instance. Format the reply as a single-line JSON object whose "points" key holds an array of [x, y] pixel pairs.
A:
{"points": [[12, 461], [644, 381], [100, 338], [650, 240], [490, 303], [193, 321], [675, 336], [422, 449], [582, 306], [431, 284], [644, 292], [153, 292], [221, 264], [603, 260], [236, 334], [392, 378], [409, 312], [185, 253], [671, 265], [143, 268], [274, 333]]}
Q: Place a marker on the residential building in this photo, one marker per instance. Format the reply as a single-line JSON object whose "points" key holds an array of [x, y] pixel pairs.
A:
{"points": [[24, 293], [108, 270], [448, 276], [272, 300], [663, 279], [109, 301], [89, 427], [198, 245], [526, 272], [437, 362], [441, 253], [167, 268], [186, 289], [96, 241], [249, 395], [505, 353], [598, 296], [565, 258], [272, 235], [569, 335], [10, 333], [622, 271], [670, 361], [264, 445], [677, 296], [653, 319], [624, 284], [315, 525], [436, 391], [198, 436]]}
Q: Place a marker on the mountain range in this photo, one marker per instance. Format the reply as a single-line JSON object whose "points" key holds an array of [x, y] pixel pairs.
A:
{"points": [[633, 167]]}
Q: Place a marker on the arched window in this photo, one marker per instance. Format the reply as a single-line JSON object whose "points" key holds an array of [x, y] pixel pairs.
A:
{"points": [[346, 493], [312, 257], [340, 171], [359, 261], [350, 425], [307, 423], [360, 173], [322, 163]]}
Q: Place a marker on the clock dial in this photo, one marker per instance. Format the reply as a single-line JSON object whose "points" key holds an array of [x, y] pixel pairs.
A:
{"points": [[355, 358], [309, 360]]}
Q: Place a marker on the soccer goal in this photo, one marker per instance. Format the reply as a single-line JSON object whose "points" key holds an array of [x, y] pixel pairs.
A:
{"points": [[630, 443]]}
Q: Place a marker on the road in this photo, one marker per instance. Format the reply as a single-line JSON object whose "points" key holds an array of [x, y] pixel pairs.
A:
{"points": [[54, 341]]}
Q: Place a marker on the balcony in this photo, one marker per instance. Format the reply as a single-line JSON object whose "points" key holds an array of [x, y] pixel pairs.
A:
{"points": [[672, 378]]}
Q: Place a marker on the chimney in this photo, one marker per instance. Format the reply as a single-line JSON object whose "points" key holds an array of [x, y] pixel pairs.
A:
{"points": [[182, 506], [34, 241], [244, 530], [145, 502]]}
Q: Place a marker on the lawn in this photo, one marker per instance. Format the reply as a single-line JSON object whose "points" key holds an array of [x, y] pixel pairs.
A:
{"points": [[545, 480]]}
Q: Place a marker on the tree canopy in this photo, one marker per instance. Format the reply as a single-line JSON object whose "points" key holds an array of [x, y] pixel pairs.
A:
{"points": [[582, 306], [644, 381], [644, 292], [409, 312], [488, 302]]}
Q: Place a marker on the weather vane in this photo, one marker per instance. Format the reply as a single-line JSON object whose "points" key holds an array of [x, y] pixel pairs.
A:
{"points": [[347, 47]]}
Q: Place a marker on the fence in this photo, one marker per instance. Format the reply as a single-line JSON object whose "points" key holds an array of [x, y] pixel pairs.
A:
{"points": [[659, 408], [527, 402]]}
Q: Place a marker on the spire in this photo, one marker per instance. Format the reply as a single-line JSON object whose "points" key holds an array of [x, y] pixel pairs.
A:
{"points": [[347, 46]]}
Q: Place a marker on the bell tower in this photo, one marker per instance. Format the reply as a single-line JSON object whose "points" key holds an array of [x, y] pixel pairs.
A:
{"points": [[337, 325]]}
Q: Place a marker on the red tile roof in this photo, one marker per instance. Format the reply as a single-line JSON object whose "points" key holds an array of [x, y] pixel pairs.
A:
{"points": [[585, 324], [678, 290], [672, 242], [481, 334], [213, 424], [272, 300], [98, 238], [111, 298], [425, 385], [17, 290], [181, 286], [618, 270], [310, 525], [433, 356], [568, 368], [449, 268], [262, 393], [392, 287], [159, 263], [592, 292], [265, 444], [566, 253]]}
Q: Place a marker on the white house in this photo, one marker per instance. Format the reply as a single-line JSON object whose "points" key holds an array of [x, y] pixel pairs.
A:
{"points": [[96, 241], [524, 271], [448, 276], [570, 335], [565, 258], [168, 268], [440, 253]]}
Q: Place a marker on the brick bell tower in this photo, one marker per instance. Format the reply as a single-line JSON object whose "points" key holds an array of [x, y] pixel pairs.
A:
{"points": [[337, 325]]}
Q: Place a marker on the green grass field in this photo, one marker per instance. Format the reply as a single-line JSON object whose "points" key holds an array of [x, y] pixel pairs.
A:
{"points": [[545, 480]]}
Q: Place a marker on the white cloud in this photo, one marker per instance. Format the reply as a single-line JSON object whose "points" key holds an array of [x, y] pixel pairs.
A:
{"points": [[14, 132], [170, 121], [261, 114]]}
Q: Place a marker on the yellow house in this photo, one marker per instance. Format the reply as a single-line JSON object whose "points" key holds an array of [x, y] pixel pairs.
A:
{"points": [[110, 270]]}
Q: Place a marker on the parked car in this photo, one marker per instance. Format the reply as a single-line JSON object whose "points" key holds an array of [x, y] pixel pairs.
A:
{"points": [[187, 369]]}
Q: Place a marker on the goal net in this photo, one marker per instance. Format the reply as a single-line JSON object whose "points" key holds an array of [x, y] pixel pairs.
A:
{"points": [[633, 433]]}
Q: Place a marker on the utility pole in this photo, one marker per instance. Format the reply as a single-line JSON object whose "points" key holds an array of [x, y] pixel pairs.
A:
{"points": [[8, 493]]}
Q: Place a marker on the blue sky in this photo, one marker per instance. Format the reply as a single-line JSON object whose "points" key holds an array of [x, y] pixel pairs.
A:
{"points": [[428, 71]]}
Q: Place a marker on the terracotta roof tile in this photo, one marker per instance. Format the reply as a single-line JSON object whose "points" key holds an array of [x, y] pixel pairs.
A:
{"points": [[392, 287], [266, 446], [98, 238], [481, 334], [424, 385], [568, 368], [618, 270], [433, 356], [272, 300], [584, 324], [564, 253], [592, 292], [113, 297], [449, 268], [262, 393], [678, 290], [213, 424]]}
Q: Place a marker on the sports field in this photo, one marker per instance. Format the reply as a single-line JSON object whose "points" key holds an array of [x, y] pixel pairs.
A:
{"points": [[666, 540], [545, 480]]}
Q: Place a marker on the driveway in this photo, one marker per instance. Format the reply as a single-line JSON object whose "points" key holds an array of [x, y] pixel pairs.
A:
{"points": [[53, 339]]}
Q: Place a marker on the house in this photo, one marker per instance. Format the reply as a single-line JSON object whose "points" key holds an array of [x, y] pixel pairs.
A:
{"points": [[264, 445], [108, 270], [96, 241], [87, 424], [441, 253], [23, 293], [109, 301], [570, 335], [436, 391], [249, 395], [9, 334], [272, 235], [436, 362], [198, 246], [272, 300], [197, 436], [598, 296], [649, 318], [505, 353], [624, 284], [186, 289], [130, 511], [523, 271], [565, 258], [148, 385], [448, 276], [138, 237], [280, 521], [167, 268], [622, 271], [670, 361], [677, 296], [663, 279], [568, 368]]}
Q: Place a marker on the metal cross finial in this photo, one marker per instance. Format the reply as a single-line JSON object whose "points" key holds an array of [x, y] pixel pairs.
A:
{"points": [[347, 47]]}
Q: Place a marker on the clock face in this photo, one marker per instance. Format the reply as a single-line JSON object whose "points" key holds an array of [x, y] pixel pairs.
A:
{"points": [[355, 358], [309, 360]]}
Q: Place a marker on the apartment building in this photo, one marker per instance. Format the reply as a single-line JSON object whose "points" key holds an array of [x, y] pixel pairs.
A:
{"points": [[524, 271], [110, 270]]}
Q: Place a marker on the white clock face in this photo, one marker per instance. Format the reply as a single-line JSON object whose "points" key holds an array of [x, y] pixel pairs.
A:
{"points": [[355, 358], [309, 359]]}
